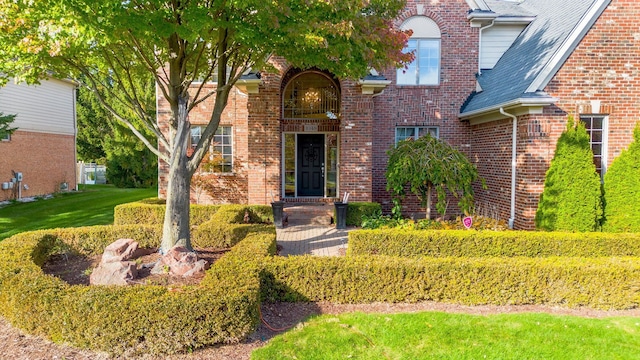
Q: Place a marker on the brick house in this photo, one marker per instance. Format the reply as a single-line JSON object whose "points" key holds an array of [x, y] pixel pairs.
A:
{"points": [[43, 148], [496, 79]]}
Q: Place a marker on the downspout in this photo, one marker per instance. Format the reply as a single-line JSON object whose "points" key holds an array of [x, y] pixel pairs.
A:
{"points": [[480, 44], [75, 133], [514, 135]]}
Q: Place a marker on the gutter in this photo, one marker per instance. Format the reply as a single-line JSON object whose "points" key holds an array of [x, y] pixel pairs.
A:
{"points": [[537, 101], [514, 138]]}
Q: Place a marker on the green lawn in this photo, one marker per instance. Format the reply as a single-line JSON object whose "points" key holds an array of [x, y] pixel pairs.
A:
{"points": [[433, 335], [92, 205]]}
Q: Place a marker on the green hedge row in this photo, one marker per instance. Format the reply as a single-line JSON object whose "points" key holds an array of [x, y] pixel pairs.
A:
{"points": [[355, 211], [472, 243], [151, 212], [128, 321], [604, 283], [121, 320]]}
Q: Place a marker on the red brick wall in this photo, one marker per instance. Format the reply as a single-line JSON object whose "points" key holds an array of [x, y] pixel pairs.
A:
{"points": [[428, 105], [603, 67], [367, 124], [216, 188], [45, 160]]}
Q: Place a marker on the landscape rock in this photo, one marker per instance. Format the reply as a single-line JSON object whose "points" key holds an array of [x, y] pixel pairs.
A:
{"points": [[179, 261], [120, 250], [114, 273]]}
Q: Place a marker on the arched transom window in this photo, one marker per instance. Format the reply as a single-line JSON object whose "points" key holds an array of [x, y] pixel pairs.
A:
{"points": [[311, 95], [425, 43]]}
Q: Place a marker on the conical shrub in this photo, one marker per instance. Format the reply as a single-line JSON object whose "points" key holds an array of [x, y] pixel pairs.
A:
{"points": [[622, 190], [572, 196]]}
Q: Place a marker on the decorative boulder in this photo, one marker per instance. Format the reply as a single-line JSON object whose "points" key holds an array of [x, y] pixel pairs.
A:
{"points": [[120, 250], [114, 273], [179, 261]]}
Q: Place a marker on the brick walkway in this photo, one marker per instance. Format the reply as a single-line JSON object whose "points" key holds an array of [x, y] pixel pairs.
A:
{"points": [[318, 240]]}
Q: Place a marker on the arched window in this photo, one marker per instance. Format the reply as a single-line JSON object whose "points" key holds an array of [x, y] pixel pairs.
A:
{"points": [[425, 43], [311, 95]]}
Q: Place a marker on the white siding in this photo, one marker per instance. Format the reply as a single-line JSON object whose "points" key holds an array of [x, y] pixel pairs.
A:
{"points": [[495, 41], [48, 107]]}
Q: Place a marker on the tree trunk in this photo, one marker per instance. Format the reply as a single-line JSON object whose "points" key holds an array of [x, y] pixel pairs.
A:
{"points": [[176, 229]]}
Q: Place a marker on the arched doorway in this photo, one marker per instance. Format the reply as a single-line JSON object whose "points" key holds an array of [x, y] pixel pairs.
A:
{"points": [[310, 118]]}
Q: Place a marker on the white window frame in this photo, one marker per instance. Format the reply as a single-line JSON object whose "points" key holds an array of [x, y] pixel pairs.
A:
{"points": [[416, 132], [604, 143], [6, 138], [218, 142], [425, 31]]}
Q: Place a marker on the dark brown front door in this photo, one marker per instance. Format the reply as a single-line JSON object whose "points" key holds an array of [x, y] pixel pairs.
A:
{"points": [[310, 165]]}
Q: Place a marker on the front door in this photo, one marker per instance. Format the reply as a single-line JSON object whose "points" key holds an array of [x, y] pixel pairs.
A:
{"points": [[310, 167]]}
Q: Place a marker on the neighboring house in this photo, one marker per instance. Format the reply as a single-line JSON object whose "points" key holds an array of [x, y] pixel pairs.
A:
{"points": [[496, 79], [43, 148]]}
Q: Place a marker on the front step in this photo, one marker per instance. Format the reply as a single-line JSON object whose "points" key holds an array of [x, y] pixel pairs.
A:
{"points": [[309, 214]]}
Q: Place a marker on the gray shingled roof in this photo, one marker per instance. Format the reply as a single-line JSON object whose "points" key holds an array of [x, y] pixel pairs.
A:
{"points": [[508, 8], [524, 61]]}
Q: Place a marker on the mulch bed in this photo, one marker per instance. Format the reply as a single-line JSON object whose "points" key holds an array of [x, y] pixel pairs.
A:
{"points": [[76, 269]]}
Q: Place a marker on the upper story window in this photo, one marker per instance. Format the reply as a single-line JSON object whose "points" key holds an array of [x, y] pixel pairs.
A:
{"points": [[425, 44], [596, 126], [221, 150], [414, 132], [311, 95]]}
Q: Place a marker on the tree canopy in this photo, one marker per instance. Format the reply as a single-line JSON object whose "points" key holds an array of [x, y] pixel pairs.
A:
{"points": [[107, 45], [429, 163], [104, 140]]}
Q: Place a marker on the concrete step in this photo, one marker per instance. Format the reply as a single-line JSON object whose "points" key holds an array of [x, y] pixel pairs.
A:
{"points": [[309, 214]]}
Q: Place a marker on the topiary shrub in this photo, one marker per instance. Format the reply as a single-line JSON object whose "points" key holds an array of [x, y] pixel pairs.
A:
{"points": [[572, 198], [622, 189]]}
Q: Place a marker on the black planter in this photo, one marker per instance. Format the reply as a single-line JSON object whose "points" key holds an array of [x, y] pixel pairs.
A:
{"points": [[277, 208], [341, 215]]}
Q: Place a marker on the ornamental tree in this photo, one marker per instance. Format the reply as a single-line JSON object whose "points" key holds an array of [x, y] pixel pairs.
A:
{"points": [[426, 164], [622, 189], [107, 45], [572, 198]]}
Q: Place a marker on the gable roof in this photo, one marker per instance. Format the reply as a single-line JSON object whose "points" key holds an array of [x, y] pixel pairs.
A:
{"points": [[536, 55]]}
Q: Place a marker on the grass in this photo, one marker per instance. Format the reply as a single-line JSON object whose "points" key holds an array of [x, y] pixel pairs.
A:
{"points": [[434, 335], [92, 205]]}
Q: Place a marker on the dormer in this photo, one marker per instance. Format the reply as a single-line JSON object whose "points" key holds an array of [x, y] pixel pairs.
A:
{"points": [[500, 23]]}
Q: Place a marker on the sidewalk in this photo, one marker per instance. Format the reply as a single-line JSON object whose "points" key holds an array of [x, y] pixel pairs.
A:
{"points": [[317, 240]]}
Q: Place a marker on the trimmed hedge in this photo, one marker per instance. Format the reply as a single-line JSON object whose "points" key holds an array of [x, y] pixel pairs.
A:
{"points": [[355, 211], [471, 243], [153, 214], [142, 212], [604, 283], [131, 320]]}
